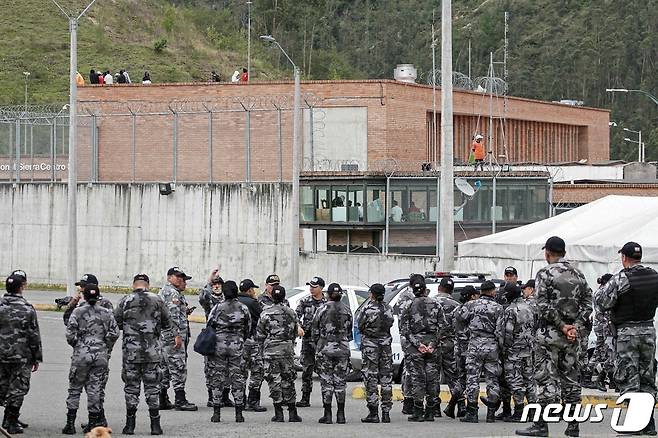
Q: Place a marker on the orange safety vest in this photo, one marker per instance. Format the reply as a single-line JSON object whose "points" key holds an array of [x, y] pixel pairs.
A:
{"points": [[478, 150]]}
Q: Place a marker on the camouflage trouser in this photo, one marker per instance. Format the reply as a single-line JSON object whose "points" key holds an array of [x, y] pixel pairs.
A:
{"points": [[634, 361], [460, 378], [556, 369], [224, 370], [307, 360], [280, 375], [133, 374], [14, 383], [253, 361], [174, 365], [603, 359], [206, 372], [333, 372], [90, 378], [424, 376], [448, 364], [377, 368], [520, 376], [583, 361], [406, 377], [479, 357]]}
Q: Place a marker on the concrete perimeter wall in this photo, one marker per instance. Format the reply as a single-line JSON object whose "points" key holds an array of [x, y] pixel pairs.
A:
{"points": [[124, 229]]}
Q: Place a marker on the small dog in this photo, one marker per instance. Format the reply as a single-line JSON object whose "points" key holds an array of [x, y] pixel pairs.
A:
{"points": [[99, 432]]}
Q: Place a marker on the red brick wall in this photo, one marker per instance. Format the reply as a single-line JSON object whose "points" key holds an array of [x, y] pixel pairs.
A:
{"points": [[584, 193]]}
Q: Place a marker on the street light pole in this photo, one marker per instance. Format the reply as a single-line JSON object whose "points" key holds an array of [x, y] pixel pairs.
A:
{"points": [[640, 145], [296, 149], [653, 98]]}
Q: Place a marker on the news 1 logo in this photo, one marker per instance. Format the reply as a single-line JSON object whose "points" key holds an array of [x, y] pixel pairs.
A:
{"points": [[638, 412]]}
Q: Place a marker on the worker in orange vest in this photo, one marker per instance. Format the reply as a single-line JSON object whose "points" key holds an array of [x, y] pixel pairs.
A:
{"points": [[477, 148]]}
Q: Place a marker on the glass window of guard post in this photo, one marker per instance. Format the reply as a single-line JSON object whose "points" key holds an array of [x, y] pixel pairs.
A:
{"points": [[355, 204], [417, 208], [375, 202], [306, 205], [338, 204], [396, 213], [323, 204]]}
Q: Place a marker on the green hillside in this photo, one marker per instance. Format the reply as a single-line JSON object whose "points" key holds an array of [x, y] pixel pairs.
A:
{"points": [[559, 49]]}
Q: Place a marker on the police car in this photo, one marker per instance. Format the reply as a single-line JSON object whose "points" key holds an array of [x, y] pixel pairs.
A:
{"points": [[395, 288]]}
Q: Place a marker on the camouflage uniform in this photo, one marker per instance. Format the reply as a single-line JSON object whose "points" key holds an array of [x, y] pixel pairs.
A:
{"points": [[484, 319], [174, 360], [447, 359], [636, 336], [519, 339], [603, 359], [375, 322], [562, 297], [208, 300], [232, 323], [20, 349], [332, 333], [266, 301], [405, 300], [92, 332], [276, 333], [306, 310], [422, 322], [461, 347], [142, 316]]}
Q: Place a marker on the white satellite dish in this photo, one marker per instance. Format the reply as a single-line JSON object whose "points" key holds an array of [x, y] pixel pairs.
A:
{"points": [[464, 187]]}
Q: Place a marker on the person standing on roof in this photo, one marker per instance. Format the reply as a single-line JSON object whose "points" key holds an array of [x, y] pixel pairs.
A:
{"points": [[477, 148]]}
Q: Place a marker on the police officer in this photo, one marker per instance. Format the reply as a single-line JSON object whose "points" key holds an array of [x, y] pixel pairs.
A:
{"points": [[306, 310], [375, 322], [511, 277], [631, 296], [602, 360], [92, 332], [253, 356], [421, 324], [447, 361], [142, 316], [174, 341], [519, 339], [405, 299], [265, 298], [564, 304], [468, 293], [276, 333], [209, 296], [332, 333], [21, 352], [484, 319], [232, 323]]}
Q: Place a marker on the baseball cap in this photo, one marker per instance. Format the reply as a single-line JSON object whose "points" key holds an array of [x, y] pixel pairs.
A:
{"points": [[272, 279], [334, 287], [511, 270], [91, 291], [20, 273], [316, 281], [487, 285], [418, 285], [447, 283], [178, 272], [555, 244], [217, 280], [141, 277], [378, 290], [246, 284], [87, 279], [529, 283], [632, 250], [278, 293], [13, 282]]}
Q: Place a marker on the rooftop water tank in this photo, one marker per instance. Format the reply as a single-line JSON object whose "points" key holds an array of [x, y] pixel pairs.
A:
{"points": [[405, 73]]}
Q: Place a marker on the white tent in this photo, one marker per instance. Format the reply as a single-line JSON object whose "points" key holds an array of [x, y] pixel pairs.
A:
{"points": [[593, 234]]}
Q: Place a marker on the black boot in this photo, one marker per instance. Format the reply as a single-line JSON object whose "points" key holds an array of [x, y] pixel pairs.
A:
{"points": [[103, 419], [69, 429], [437, 409], [492, 407], [538, 428], [278, 413], [11, 415], [165, 403], [94, 421], [491, 415], [216, 414], [450, 409], [156, 429], [326, 418], [373, 415], [417, 416], [429, 412], [226, 400], [461, 408], [238, 415], [386, 417], [305, 401], [293, 417], [408, 406], [572, 429], [506, 412], [253, 402], [600, 383], [471, 415], [210, 403], [340, 414], [130, 422], [181, 403], [516, 415], [650, 429]]}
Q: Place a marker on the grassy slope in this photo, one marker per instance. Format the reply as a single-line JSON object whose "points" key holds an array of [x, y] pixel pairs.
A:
{"points": [[116, 34]]}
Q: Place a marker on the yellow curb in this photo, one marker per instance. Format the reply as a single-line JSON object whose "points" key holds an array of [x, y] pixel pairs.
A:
{"points": [[195, 318], [47, 308]]}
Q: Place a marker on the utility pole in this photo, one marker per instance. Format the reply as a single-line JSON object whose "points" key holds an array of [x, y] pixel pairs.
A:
{"points": [[447, 247], [249, 41]]}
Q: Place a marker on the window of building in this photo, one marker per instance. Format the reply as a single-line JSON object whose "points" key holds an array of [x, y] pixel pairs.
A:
{"points": [[375, 204]]}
